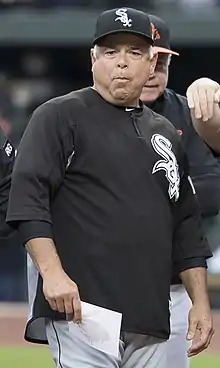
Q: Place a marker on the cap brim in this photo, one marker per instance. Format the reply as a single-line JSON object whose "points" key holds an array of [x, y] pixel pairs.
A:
{"points": [[101, 38], [162, 50]]}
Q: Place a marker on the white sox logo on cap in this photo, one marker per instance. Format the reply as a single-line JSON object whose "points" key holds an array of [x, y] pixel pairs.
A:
{"points": [[123, 17]]}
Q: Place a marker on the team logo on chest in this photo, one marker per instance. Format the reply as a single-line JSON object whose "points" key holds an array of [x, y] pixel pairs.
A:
{"points": [[169, 164]]}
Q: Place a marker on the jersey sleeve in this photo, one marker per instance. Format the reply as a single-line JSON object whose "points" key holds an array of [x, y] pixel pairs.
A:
{"points": [[40, 165], [189, 241], [7, 156], [204, 167]]}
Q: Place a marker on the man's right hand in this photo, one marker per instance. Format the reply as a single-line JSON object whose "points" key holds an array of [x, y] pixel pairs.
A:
{"points": [[62, 295]]}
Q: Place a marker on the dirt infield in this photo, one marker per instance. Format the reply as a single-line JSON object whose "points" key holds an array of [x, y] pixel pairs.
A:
{"points": [[13, 319]]}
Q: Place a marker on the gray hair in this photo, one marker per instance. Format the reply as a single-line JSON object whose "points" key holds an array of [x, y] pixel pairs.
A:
{"points": [[97, 48], [169, 59]]}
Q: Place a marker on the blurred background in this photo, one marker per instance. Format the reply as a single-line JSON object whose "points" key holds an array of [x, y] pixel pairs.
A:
{"points": [[44, 52]]}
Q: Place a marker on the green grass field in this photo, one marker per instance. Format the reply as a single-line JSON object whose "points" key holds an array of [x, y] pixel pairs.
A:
{"points": [[25, 358], [206, 361], [40, 358]]}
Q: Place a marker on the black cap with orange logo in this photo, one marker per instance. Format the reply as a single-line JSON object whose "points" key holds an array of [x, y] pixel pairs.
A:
{"points": [[161, 35]]}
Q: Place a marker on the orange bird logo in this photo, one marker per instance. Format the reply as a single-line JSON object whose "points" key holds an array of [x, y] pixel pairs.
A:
{"points": [[155, 33]]}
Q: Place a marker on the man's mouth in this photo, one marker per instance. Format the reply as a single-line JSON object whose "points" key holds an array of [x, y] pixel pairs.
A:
{"points": [[151, 86], [121, 78]]}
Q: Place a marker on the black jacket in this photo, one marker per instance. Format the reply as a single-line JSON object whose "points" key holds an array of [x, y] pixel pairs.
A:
{"points": [[110, 185]]}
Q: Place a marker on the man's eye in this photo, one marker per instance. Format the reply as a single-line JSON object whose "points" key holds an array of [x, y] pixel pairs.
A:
{"points": [[135, 53], [110, 53]]}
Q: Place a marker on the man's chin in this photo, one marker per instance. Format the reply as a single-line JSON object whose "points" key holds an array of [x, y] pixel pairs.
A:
{"points": [[121, 94]]}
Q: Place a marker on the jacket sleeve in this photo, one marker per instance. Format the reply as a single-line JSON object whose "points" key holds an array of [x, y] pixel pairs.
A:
{"points": [[205, 173], [7, 157], [40, 166], [189, 242], [204, 166]]}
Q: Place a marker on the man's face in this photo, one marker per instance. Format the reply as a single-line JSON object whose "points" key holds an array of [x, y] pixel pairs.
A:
{"points": [[157, 82], [121, 67]]}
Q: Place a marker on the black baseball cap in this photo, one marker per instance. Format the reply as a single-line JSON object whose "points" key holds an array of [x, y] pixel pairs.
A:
{"points": [[161, 36], [123, 20]]}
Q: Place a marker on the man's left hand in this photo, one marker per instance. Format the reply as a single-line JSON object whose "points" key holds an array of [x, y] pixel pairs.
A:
{"points": [[202, 96], [200, 330]]}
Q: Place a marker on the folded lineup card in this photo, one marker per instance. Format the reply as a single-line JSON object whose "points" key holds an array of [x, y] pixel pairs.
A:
{"points": [[100, 328]]}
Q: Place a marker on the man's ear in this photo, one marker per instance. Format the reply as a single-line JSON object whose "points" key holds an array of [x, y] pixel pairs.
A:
{"points": [[92, 56], [153, 63]]}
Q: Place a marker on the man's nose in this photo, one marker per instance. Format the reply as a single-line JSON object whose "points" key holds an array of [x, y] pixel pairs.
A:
{"points": [[122, 61]]}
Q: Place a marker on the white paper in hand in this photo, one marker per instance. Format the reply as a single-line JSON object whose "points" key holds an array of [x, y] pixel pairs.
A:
{"points": [[99, 328]]}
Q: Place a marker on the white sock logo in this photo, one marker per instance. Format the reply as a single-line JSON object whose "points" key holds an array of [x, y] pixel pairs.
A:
{"points": [[123, 17], [169, 164]]}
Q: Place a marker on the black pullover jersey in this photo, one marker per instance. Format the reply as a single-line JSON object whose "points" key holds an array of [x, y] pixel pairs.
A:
{"points": [[110, 185]]}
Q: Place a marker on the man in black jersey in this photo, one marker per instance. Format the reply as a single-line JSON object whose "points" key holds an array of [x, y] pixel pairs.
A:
{"points": [[106, 207], [204, 166]]}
